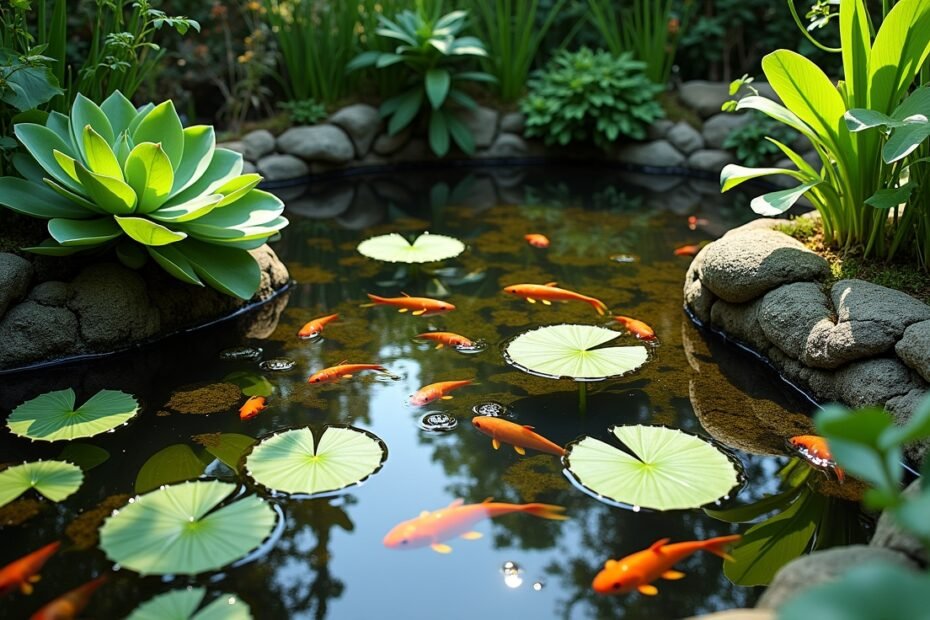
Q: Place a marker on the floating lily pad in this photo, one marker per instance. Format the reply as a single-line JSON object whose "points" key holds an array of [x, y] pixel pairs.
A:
{"points": [[52, 416], [569, 351], [56, 480], [668, 469], [179, 529], [290, 462], [183, 605], [251, 383], [84, 455], [426, 248], [174, 463]]}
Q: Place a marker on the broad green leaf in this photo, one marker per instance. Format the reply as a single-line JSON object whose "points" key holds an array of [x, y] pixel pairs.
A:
{"points": [[776, 203], [229, 448], [83, 232], [112, 195], [28, 199], [131, 254], [912, 515], [199, 145], [84, 455], [363, 60], [253, 209], [42, 143], [408, 105], [28, 168], [574, 352], [61, 125], [147, 232], [426, 248], [251, 383], [904, 140], [85, 112], [27, 87], [856, 49], [68, 164], [899, 51], [918, 102], [889, 198], [225, 166], [176, 463], [862, 426], [438, 133], [184, 604], [865, 462], [859, 119], [149, 173], [436, 82], [119, 111], [100, 158], [52, 416], [228, 270], [751, 512], [733, 175], [917, 427], [163, 126], [236, 188], [79, 200], [191, 210], [56, 480], [461, 134], [172, 261], [50, 247], [779, 113]]}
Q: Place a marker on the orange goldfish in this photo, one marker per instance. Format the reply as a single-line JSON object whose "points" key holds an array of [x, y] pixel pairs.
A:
{"points": [[71, 603], [446, 338], [537, 240], [457, 519], [520, 437], [343, 371], [636, 327], [315, 327], [547, 293], [434, 391], [22, 573], [639, 570], [252, 407], [815, 449], [420, 306], [687, 250], [694, 222]]}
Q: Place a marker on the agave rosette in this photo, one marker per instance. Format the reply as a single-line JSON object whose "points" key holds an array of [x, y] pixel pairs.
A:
{"points": [[138, 180]]}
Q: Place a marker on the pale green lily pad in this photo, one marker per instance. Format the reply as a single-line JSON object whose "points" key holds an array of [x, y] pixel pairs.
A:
{"points": [[52, 416], [179, 529], [289, 462], [568, 351], [426, 248], [56, 480], [668, 469], [184, 604]]}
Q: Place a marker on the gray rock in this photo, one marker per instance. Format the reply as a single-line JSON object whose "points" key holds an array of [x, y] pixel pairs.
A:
{"points": [[740, 321], [365, 211], [889, 535], [718, 127], [31, 332], [741, 267], [660, 154], [482, 123], [710, 160], [51, 293], [914, 348], [326, 143], [507, 145], [874, 381], [15, 276], [658, 129], [334, 200], [280, 167], [823, 566], [697, 297], [257, 144], [684, 137], [386, 144], [513, 122], [113, 306], [248, 167], [236, 145], [274, 273], [788, 313], [362, 122], [760, 223], [902, 409], [705, 98]]}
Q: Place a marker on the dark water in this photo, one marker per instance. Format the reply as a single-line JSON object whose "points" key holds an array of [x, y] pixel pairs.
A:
{"points": [[328, 560]]}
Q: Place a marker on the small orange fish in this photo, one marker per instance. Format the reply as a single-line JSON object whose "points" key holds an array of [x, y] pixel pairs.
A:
{"points": [[639, 570], [446, 338], [252, 407], [315, 327], [519, 436], [22, 573], [815, 450], [687, 250], [694, 222], [547, 293], [71, 603], [434, 391], [636, 327], [457, 519], [420, 306], [343, 371], [537, 240]]}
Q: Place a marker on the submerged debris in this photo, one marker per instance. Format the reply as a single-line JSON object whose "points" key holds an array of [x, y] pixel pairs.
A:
{"points": [[20, 511], [278, 364], [213, 398], [239, 354], [83, 530]]}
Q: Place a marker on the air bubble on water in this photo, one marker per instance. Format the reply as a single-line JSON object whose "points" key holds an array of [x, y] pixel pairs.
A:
{"points": [[623, 258], [538, 585], [191, 518], [278, 364], [637, 508], [132, 500], [476, 346], [511, 571], [231, 600], [492, 408], [438, 422], [237, 354]]}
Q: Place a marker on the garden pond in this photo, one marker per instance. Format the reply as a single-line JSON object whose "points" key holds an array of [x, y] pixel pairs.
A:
{"points": [[324, 558]]}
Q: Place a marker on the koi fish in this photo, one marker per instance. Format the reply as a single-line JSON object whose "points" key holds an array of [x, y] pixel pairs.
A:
{"points": [[639, 570], [520, 437], [420, 306], [537, 240], [687, 250], [315, 327], [636, 327], [71, 603], [22, 573], [343, 371], [815, 449], [446, 338], [252, 407], [547, 293], [457, 519], [435, 391]]}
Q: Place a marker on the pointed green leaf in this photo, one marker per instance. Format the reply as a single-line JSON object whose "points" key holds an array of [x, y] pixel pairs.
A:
{"points": [[776, 203], [437, 82], [162, 125], [228, 270], [50, 247], [255, 208], [899, 51], [149, 173], [35, 201], [461, 134], [61, 125], [52, 416], [199, 145], [236, 188], [172, 261], [438, 133], [225, 166], [85, 112], [83, 232], [119, 111], [147, 232], [100, 158], [110, 194], [196, 208], [89, 207], [68, 164], [733, 175], [904, 140], [889, 198], [859, 119], [41, 143]]}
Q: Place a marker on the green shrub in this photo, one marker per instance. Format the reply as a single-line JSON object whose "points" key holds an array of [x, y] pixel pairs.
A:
{"points": [[137, 181], [305, 111], [751, 142], [586, 95]]}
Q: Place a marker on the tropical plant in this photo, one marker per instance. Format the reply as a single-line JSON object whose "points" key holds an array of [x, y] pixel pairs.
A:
{"points": [[587, 95], [855, 189], [432, 51], [136, 180], [305, 111], [750, 141]]}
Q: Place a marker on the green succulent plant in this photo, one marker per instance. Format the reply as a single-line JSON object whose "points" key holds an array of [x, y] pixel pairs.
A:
{"points": [[138, 181]]}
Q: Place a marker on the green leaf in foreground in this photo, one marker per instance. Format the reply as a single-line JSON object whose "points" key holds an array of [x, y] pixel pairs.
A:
{"points": [[56, 480], [184, 604], [52, 416]]}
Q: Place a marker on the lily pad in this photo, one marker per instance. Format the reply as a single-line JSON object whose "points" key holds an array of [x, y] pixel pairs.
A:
{"points": [[290, 462], [52, 416], [569, 351], [668, 469], [56, 480], [184, 604], [426, 248], [181, 529]]}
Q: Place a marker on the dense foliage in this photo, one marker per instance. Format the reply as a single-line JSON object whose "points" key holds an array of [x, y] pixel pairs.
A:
{"points": [[587, 95]]}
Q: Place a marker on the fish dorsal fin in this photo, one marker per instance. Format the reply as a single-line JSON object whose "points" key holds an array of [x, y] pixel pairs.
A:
{"points": [[488, 500], [657, 545], [456, 502], [404, 294], [609, 564], [345, 361], [529, 427], [551, 284]]}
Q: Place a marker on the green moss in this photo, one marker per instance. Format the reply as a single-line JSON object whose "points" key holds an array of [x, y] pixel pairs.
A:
{"points": [[676, 111]]}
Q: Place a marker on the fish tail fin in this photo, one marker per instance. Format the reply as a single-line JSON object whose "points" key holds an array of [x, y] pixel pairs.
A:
{"points": [[374, 299], [598, 305], [546, 511], [718, 546]]}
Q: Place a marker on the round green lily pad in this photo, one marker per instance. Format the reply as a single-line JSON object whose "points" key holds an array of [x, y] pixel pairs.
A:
{"points": [[52, 416], [184, 604], [56, 480], [426, 248]]}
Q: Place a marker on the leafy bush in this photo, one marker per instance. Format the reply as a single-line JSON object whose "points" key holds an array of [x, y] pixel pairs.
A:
{"points": [[588, 95], [305, 111], [752, 144], [137, 181], [432, 51]]}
